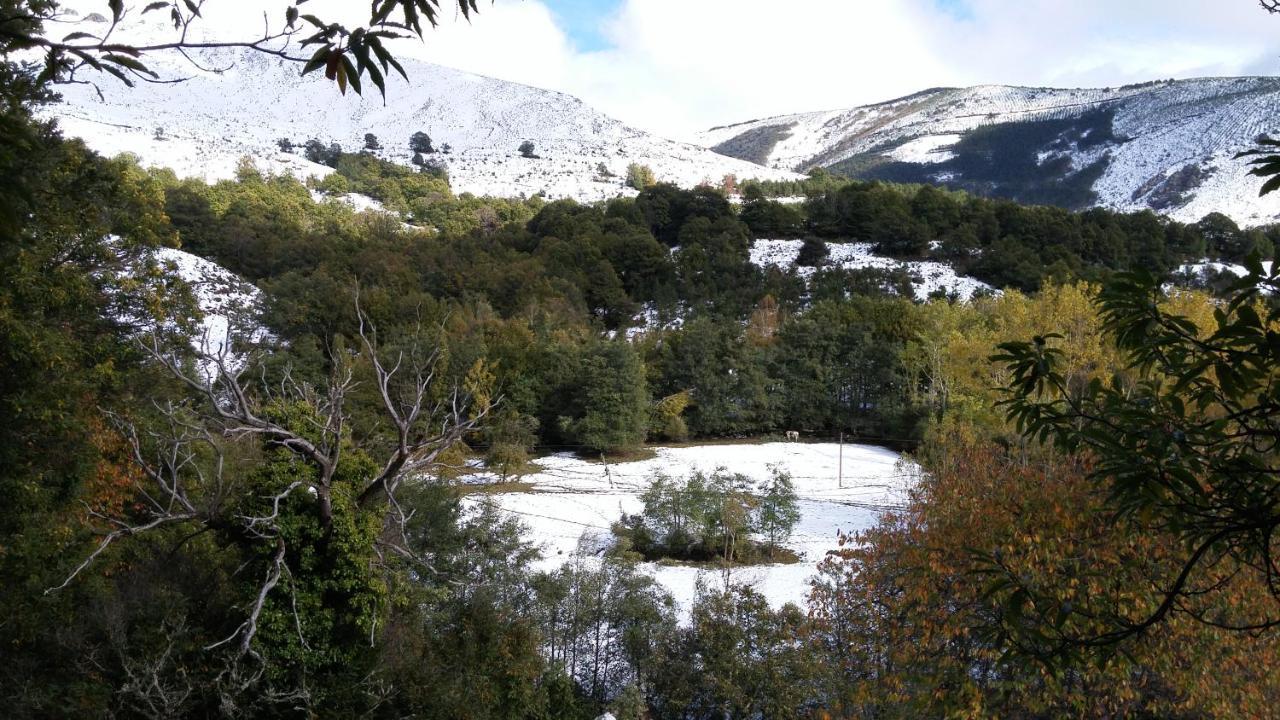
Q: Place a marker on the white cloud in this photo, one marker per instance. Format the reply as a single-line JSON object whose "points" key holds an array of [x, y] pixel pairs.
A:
{"points": [[679, 66]]}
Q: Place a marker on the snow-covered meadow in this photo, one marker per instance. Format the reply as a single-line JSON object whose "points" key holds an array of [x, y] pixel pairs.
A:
{"points": [[573, 503]]}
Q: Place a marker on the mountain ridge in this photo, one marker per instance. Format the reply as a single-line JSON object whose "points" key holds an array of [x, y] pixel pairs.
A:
{"points": [[203, 125], [1166, 145]]}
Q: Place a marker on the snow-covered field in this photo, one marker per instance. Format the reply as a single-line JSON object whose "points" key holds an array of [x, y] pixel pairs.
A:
{"points": [[1161, 128], [927, 276], [575, 501]]}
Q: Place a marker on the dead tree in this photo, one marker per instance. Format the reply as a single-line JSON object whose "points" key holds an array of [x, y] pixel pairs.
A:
{"points": [[184, 480]]}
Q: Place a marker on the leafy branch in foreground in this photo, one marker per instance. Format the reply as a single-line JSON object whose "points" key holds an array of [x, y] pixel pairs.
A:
{"points": [[346, 54], [1265, 161], [1186, 440]]}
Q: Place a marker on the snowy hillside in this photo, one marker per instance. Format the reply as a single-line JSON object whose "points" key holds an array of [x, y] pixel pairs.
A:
{"points": [[230, 306], [574, 502], [203, 126], [1167, 146], [927, 276]]}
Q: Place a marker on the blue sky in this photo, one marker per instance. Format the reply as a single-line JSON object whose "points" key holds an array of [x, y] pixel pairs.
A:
{"points": [[583, 20], [956, 8]]}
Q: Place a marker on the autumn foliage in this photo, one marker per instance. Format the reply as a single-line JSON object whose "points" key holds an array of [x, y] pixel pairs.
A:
{"points": [[914, 614]]}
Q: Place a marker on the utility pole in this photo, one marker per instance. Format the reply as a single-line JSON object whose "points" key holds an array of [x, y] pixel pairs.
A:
{"points": [[840, 463]]}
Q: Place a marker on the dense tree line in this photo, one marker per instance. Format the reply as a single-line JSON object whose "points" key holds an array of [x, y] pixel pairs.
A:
{"points": [[1000, 242]]}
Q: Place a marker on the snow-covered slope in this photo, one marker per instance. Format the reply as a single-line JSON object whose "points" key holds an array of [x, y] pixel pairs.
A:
{"points": [[230, 307], [927, 276], [1167, 146], [204, 125]]}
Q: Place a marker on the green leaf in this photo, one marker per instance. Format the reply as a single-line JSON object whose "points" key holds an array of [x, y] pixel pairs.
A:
{"points": [[128, 62], [317, 60], [352, 75]]}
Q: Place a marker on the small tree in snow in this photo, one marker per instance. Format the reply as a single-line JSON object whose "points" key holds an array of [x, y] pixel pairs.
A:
{"points": [[778, 511], [527, 149], [813, 252], [640, 177], [371, 142]]}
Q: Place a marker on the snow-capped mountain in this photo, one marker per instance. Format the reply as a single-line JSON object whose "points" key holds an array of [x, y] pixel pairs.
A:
{"points": [[1167, 146], [243, 102]]}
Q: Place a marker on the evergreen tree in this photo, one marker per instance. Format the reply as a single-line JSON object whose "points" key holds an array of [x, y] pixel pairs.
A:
{"points": [[813, 252], [420, 143], [614, 400]]}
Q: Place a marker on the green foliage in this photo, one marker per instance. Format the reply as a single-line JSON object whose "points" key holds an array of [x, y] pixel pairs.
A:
{"points": [[317, 152], [665, 418], [640, 177], [711, 517], [612, 413], [420, 142], [779, 511], [737, 659], [602, 626], [510, 435], [813, 252], [1266, 163], [770, 219]]}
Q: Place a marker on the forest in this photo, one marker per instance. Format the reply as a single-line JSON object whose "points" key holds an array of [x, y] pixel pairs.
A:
{"points": [[272, 530]]}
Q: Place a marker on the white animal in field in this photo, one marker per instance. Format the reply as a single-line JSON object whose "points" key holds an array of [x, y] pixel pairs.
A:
{"points": [[793, 436]]}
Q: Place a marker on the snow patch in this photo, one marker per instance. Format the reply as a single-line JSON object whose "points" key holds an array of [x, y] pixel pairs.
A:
{"points": [[928, 276], [927, 150], [230, 306]]}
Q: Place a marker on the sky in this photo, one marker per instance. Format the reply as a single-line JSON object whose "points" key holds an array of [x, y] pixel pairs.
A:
{"points": [[680, 66]]}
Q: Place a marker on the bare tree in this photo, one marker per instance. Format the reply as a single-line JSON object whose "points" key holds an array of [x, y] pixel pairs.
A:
{"points": [[185, 480]]}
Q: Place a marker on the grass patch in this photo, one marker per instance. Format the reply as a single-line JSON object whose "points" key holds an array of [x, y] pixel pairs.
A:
{"points": [[644, 453], [498, 488]]}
